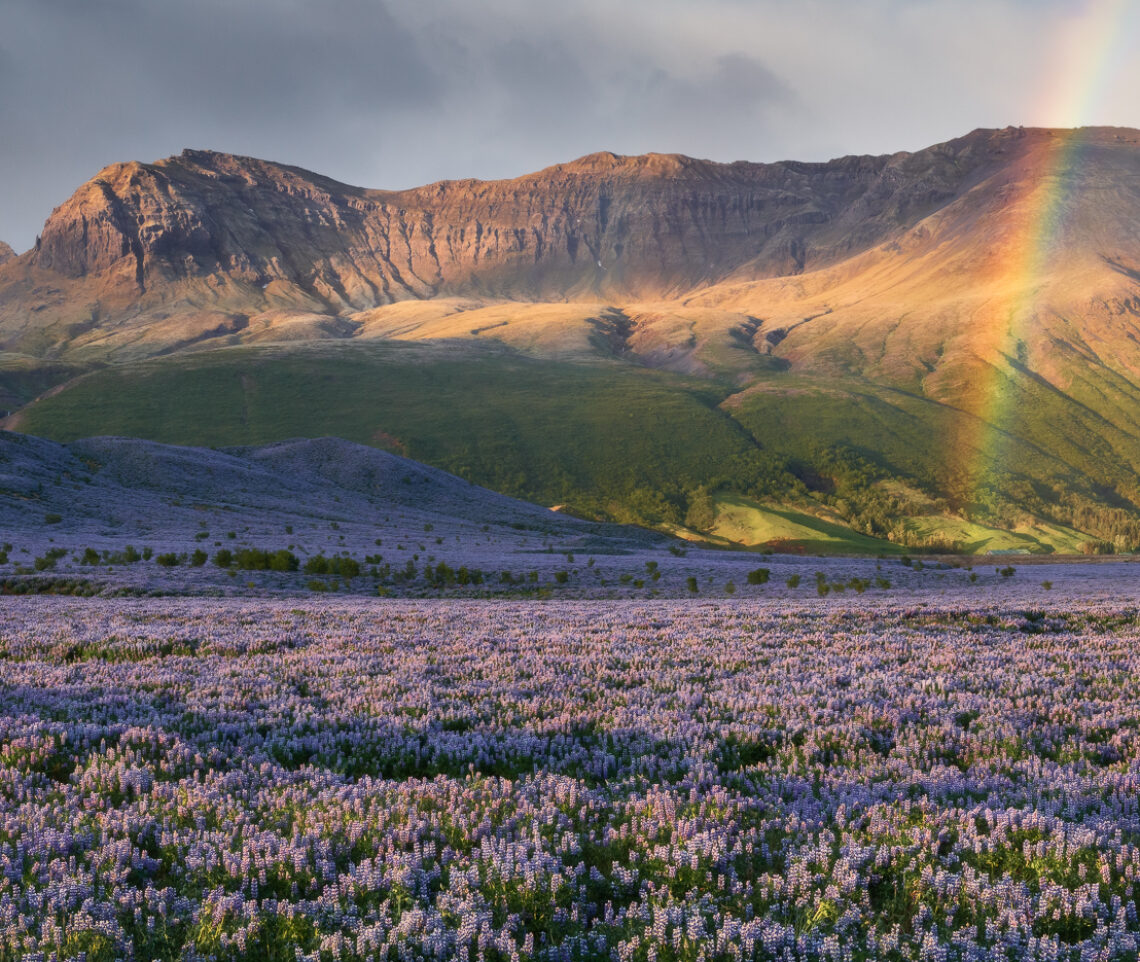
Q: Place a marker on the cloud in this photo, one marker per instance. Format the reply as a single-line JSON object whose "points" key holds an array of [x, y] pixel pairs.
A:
{"points": [[397, 93]]}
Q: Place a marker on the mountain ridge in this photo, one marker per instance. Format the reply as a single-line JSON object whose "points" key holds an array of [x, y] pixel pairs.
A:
{"points": [[963, 321], [210, 230]]}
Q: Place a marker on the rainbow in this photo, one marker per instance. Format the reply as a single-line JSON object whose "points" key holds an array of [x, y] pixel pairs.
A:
{"points": [[1092, 49]]}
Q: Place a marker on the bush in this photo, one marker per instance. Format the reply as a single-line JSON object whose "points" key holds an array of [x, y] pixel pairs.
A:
{"points": [[257, 559], [90, 557], [692, 583], [224, 558], [198, 558], [562, 577], [793, 581], [759, 576], [49, 559], [167, 560], [337, 565], [52, 518]]}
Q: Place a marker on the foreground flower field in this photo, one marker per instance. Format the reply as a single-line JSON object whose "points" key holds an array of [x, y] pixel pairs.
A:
{"points": [[187, 779]]}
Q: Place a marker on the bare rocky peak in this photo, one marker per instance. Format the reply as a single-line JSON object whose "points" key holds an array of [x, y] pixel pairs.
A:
{"points": [[646, 225], [213, 234], [6, 253]]}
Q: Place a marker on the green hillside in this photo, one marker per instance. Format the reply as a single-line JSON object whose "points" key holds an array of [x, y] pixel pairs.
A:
{"points": [[615, 440]]}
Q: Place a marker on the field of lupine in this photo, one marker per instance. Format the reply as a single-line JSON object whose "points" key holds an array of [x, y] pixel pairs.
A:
{"points": [[325, 779]]}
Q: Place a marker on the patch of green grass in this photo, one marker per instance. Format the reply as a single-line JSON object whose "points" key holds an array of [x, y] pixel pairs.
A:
{"points": [[608, 439]]}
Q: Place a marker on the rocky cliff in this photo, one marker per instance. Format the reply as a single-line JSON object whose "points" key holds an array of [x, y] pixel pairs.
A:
{"points": [[204, 232], [208, 247]]}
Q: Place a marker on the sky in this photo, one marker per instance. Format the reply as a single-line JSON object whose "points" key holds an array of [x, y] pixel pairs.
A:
{"points": [[397, 93]]}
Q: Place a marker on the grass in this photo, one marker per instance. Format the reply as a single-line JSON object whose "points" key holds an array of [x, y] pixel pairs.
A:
{"points": [[608, 439], [743, 521]]}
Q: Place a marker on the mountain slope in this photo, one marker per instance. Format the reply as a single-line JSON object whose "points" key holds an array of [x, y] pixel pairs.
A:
{"points": [[951, 334], [198, 245]]}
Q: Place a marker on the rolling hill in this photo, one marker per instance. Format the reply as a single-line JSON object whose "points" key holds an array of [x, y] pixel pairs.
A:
{"points": [[933, 349]]}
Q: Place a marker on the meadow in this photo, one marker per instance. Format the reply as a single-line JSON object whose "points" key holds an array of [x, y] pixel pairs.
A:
{"points": [[861, 777]]}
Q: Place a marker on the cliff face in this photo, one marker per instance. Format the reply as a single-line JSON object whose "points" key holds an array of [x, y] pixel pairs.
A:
{"points": [[603, 225], [159, 256]]}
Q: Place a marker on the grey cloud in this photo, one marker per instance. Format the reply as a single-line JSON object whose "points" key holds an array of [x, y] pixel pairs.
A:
{"points": [[397, 93]]}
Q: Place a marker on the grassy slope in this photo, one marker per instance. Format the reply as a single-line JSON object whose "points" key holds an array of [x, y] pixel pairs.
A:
{"points": [[626, 442], [598, 437], [743, 521]]}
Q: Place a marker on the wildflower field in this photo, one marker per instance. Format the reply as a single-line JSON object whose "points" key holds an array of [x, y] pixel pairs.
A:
{"points": [[683, 780]]}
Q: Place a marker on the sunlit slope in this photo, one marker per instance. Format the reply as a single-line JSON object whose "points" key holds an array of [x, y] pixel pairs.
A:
{"points": [[928, 347], [606, 438]]}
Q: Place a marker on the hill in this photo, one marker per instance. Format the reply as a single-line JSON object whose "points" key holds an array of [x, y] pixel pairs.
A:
{"points": [[939, 348]]}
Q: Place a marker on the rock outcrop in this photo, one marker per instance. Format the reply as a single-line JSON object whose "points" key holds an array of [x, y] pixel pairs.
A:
{"points": [[6, 253], [244, 235], [211, 247]]}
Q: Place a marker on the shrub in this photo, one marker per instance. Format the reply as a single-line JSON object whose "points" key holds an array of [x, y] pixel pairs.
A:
{"points": [[198, 558], [257, 559], [48, 560], [90, 557], [759, 576], [167, 560], [52, 518], [318, 564], [224, 558], [692, 583], [562, 577], [793, 581]]}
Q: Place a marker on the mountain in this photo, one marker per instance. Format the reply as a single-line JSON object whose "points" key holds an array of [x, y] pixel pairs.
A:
{"points": [[929, 347], [6, 253], [203, 244]]}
